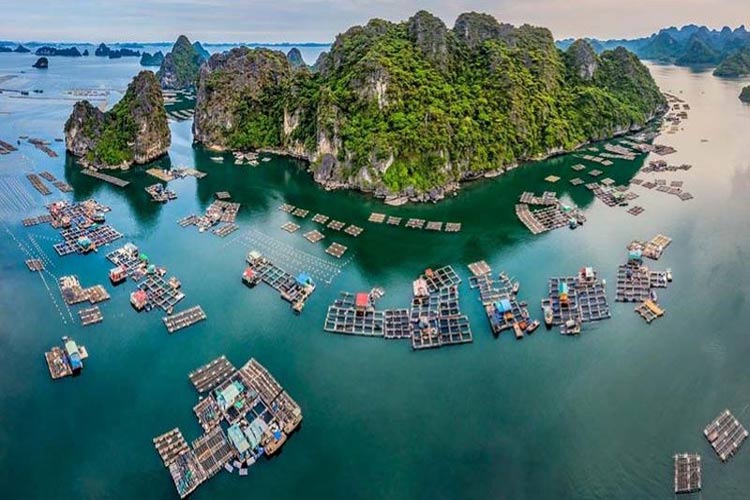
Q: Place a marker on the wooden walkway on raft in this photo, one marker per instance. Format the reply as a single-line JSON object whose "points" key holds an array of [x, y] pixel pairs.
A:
{"points": [[726, 434], [649, 311], [211, 375], [184, 319]]}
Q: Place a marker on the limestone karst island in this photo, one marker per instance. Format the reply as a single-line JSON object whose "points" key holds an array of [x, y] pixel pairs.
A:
{"points": [[375, 250]]}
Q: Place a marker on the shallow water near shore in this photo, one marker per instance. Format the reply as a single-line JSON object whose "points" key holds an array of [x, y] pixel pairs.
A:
{"points": [[548, 417]]}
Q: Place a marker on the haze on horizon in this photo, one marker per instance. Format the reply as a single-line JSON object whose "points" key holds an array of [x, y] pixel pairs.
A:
{"points": [[320, 20]]}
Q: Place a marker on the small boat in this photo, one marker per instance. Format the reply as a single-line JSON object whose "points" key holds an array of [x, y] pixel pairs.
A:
{"points": [[518, 331], [532, 326], [572, 223], [669, 274], [549, 316], [516, 286], [652, 295]]}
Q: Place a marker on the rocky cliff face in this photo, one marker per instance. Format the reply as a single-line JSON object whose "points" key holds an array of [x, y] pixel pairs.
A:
{"points": [[179, 69], [152, 60], [135, 130], [413, 107], [235, 91], [745, 94], [294, 56]]}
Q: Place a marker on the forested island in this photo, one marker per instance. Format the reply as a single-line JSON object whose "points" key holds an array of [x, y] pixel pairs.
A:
{"points": [[410, 108]]}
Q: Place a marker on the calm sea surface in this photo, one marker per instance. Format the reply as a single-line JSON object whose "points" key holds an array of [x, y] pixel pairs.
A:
{"points": [[548, 417]]}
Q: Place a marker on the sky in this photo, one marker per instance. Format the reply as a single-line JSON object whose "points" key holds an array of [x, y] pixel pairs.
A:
{"points": [[320, 21]]}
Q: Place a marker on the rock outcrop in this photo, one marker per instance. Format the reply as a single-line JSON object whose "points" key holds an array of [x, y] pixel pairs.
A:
{"points": [[745, 94], [102, 50], [294, 56], [54, 51], [582, 59], [135, 130], [152, 60], [21, 49], [412, 108], [235, 89], [735, 65], [179, 69], [41, 63]]}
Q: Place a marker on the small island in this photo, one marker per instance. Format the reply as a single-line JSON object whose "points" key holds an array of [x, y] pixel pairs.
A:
{"points": [[21, 49], [54, 51], [134, 131], [745, 94], [152, 60], [41, 63], [735, 65]]}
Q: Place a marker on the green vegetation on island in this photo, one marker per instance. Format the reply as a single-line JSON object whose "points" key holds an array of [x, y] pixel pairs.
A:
{"points": [[745, 94], [735, 64], [135, 130], [179, 69], [412, 107]]}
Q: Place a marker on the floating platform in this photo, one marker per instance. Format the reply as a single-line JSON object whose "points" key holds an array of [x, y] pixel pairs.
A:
{"points": [[300, 212], [637, 210], [211, 375], [225, 230], [296, 291], [479, 268], [170, 445], [90, 316], [336, 225], [222, 195], [184, 319], [687, 473], [415, 223], [452, 227], [287, 208], [649, 311], [726, 434], [353, 230], [314, 236], [434, 226], [208, 413], [290, 227], [377, 218], [394, 221], [37, 184], [213, 451], [336, 249], [320, 218], [35, 265], [552, 178], [576, 300], [440, 278], [115, 181], [437, 320]]}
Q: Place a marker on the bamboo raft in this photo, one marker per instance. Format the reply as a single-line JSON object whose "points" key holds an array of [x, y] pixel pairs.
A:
{"points": [[212, 450], [37, 184], [35, 265], [290, 227], [336, 250], [212, 374], [649, 310], [314, 236]]}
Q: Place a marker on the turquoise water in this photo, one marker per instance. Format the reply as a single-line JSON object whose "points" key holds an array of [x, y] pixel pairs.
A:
{"points": [[548, 417]]}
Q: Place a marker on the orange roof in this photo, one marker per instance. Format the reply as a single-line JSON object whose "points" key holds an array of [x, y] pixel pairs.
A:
{"points": [[361, 300]]}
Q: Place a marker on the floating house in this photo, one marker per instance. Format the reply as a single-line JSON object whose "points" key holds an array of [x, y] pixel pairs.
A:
{"points": [[118, 275], [250, 277], [73, 355], [139, 299]]}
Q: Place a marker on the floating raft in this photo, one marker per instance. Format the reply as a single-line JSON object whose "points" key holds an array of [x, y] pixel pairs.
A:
{"points": [[393, 221], [290, 227], [222, 195], [320, 218], [636, 210], [90, 316], [336, 249], [116, 181], [208, 413], [437, 320], [211, 375], [434, 226], [726, 434], [649, 311], [547, 198], [415, 223], [479, 268], [314, 236], [353, 230], [64, 187], [37, 184], [225, 230], [377, 218], [548, 218], [213, 451], [576, 300], [336, 225], [452, 227], [287, 208], [184, 319], [578, 167], [300, 212], [35, 264], [170, 445], [552, 178], [687, 473], [577, 181]]}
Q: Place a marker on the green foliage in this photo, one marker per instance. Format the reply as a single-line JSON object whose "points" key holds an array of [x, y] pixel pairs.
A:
{"points": [[505, 100], [735, 65]]}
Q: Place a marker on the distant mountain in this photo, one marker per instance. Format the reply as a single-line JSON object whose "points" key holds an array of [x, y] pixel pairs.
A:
{"points": [[180, 66], [154, 60], [688, 45], [54, 51]]}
